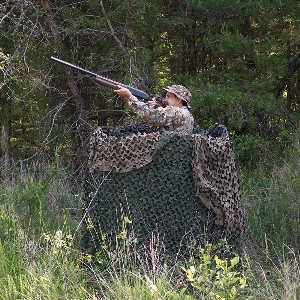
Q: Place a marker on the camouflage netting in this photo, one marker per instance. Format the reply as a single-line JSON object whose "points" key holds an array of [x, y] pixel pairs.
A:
{"points": [[183, 188]]}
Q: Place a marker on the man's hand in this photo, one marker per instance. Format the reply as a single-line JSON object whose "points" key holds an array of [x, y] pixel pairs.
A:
{"points": [[123, 92], [152, 103], [155, 104]]}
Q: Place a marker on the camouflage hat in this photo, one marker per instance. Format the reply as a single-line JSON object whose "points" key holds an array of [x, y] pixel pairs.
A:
{"points": [[179, 91]]}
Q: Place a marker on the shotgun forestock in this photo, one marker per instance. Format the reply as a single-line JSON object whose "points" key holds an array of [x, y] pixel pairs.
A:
{"points": [[106, 82]]}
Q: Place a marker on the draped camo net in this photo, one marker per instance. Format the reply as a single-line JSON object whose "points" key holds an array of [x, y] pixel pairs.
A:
{"points": [[183, 188]]}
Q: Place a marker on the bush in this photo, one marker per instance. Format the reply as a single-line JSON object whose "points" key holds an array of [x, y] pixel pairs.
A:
{"points": [[216, 278]]}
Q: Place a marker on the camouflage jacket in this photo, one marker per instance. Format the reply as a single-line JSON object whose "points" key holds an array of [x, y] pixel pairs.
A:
{"points": [[170, 118]]}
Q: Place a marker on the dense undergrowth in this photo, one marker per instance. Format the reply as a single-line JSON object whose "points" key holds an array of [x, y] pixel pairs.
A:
{"points": [[41, 258]]}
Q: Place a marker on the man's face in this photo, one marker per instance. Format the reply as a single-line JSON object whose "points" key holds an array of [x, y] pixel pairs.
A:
{"points": [[172, 100]]}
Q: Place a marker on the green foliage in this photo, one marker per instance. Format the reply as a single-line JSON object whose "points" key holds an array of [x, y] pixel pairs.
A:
{"points": [[216, 278], [248, 149], [258, 128], [227, 44]]}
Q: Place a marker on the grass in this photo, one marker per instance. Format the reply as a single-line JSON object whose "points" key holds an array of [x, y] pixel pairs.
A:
{"points": [[40, 257], [37, 257]]}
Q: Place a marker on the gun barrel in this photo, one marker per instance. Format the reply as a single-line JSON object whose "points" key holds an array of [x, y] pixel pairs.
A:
{"points": [[105, 81], [73, 66]]}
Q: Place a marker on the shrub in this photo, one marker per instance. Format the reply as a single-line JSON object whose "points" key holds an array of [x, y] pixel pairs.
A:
{"points": [[216, 278]]}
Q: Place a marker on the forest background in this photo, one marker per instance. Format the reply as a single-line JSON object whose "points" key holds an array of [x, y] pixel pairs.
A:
{"points": [[240, 60]]}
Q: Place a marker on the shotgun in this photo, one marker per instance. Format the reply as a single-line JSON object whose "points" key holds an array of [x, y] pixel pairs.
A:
{"points": [[106, 81]]}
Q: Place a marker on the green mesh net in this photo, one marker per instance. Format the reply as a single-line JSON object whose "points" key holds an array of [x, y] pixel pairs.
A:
{"points": [[182, 188]]}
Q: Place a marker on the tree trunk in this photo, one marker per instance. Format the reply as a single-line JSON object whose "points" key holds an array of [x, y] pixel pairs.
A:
{"points": [[5, 134], [80, 138], [193, 52]]}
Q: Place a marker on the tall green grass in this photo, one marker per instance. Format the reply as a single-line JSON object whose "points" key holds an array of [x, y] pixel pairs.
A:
{"points": [[272, 206], [272, 237], [38, 259], [40, 256]]}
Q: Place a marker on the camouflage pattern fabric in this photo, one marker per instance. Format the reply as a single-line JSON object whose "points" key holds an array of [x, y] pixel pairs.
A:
{"points": [[216, 181], [169, 118], [181, 187], [134, 151]]}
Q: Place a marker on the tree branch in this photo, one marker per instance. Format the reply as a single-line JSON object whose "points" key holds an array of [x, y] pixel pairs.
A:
{"points": [[112, 31]]}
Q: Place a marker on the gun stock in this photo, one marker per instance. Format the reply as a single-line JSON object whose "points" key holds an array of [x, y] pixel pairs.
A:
{"points": [[106, 81]]}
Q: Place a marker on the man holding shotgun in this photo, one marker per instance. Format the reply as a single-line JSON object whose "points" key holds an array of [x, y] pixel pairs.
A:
{"points": [[175, 116]]}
